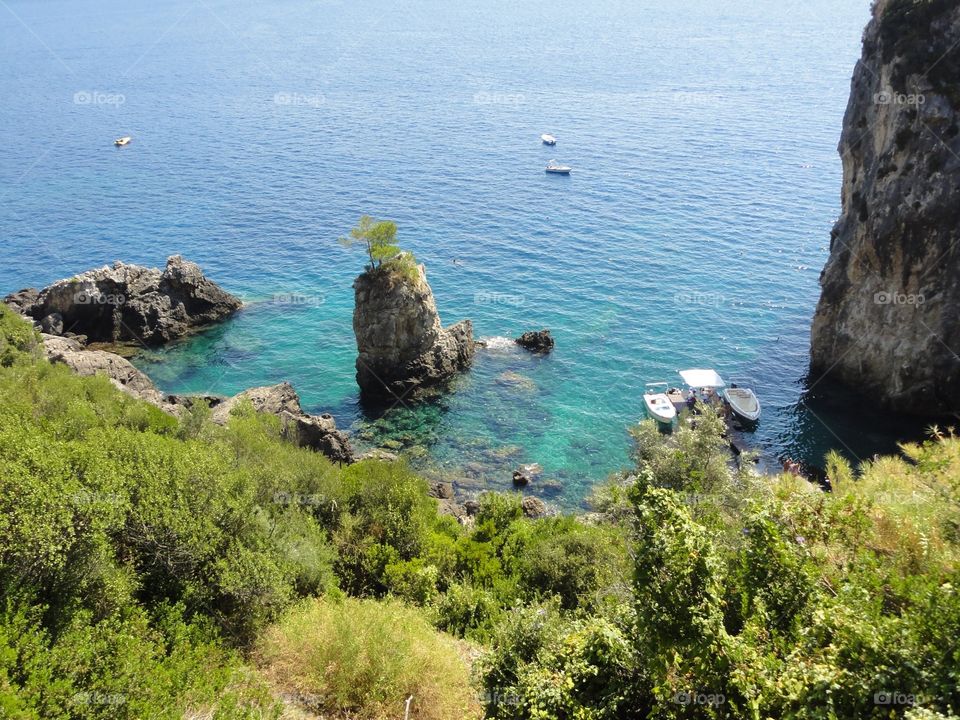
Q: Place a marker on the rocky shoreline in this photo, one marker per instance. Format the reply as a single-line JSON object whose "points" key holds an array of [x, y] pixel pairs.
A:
{"points": [[91, 321]]}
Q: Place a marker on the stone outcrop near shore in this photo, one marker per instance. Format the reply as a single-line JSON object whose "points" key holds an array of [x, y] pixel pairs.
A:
{"points": [[888, 320], [402, 347], [132, 303], [129, 303]]}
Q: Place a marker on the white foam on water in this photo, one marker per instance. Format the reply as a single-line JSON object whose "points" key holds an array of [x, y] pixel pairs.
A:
{"points": [[498, 343]]}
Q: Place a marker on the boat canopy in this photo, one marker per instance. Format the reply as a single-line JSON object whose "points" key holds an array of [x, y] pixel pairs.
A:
{"points": [[702, 378]]}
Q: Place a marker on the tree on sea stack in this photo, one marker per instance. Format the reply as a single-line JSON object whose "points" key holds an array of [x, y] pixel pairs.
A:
{"points": [[379, 239], [402, 348]]}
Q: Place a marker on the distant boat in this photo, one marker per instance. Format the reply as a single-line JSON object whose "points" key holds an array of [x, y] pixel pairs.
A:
{"points": [[658, 404], [557, 169], [548, 139], [743, 402], [121, 141]]}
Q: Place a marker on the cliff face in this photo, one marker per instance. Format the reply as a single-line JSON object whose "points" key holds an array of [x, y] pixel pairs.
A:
{"points": [[402, 346], [888, 320]]}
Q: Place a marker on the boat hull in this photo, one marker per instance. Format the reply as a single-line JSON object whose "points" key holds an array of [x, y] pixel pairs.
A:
{"points": [[660, 408], [744, 403]]}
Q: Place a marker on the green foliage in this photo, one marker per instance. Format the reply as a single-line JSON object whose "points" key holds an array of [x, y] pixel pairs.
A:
{"points": [[379, 239]]}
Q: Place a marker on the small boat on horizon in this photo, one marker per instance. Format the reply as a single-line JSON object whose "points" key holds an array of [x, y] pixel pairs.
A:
{"points": [[121, 141], [548, 139], [557, 169]]}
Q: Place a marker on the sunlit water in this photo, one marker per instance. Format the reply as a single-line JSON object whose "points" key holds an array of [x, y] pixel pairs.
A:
{"points": [[706, 179]]}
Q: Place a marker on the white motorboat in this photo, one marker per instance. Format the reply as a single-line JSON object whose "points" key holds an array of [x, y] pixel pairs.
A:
{"points": [[557, 169], [121, 141], [743, 402], [658, 404], [548, 139]]}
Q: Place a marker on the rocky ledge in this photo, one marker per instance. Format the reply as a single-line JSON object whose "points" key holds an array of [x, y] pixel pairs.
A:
{"points": [[536, 341], [402, 346], [128, 303], [888, 320]]}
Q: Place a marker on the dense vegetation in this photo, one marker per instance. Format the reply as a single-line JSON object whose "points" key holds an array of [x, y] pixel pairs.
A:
{"points": [[157, 568]]}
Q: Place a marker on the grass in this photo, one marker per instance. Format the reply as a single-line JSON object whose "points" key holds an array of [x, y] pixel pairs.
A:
{"points": [[363, 659]]}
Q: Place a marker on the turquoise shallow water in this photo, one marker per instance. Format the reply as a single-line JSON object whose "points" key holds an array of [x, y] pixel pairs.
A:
{"points": [[692, 231]]}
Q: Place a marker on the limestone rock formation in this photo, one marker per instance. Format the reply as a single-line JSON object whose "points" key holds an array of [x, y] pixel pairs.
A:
{"points": [[129, 303], [99, 362], [402, 347], [318, 432], [888, 320], [538, 341]]}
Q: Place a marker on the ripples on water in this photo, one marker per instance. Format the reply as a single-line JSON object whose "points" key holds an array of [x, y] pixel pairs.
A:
{"points": [[706, 179]]}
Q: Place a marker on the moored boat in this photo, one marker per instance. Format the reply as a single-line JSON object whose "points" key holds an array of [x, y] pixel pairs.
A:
{"points": [[743, 402], [548, 139], [121, 141], [658, 404], [557, 169]]}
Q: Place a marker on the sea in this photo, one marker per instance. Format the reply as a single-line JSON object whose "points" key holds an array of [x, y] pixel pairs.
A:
{"points": [[691, 233]]}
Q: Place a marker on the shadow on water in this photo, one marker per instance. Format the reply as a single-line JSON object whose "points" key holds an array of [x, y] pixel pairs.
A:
{"points": [[830, 416]]}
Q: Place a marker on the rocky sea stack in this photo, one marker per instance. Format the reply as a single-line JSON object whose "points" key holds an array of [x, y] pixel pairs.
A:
{"points": [[129, 303], [888, 321], [402, 347]]}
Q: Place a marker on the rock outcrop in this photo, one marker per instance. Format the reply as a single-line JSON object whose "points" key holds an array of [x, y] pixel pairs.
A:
{"points": [[119, 370], [888, 320], [402, 347], [318, 432], [538, 341], [129, 303]]}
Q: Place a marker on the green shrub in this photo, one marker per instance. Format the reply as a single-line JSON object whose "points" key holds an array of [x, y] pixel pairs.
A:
{"points": [[363, 659]]}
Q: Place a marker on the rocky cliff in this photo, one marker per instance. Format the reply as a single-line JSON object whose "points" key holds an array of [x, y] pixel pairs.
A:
{"points": [[129, 303], [888, 320], [402, 346]]}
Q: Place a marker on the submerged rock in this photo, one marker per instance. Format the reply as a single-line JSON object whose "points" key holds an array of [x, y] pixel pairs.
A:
{"points": [[318, 432], [525, 474], [539, 341], [888, 320], [129, 303], [402, 347]]}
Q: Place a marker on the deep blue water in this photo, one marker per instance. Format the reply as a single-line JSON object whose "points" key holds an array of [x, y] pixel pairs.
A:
{"points": [[692, 231]]}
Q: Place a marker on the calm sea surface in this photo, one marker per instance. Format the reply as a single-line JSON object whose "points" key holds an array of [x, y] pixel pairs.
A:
{"points": [[706, 179]]}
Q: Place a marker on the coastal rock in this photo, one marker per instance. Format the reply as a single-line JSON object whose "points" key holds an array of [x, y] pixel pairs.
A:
{"points": [[525, 474], [539, 341], [130, 303], [22, 301], [52, 324], [441, 490], [471, 507], [99, 362], [318, 432], [533, 507], [888, 320], [402, 347]]}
